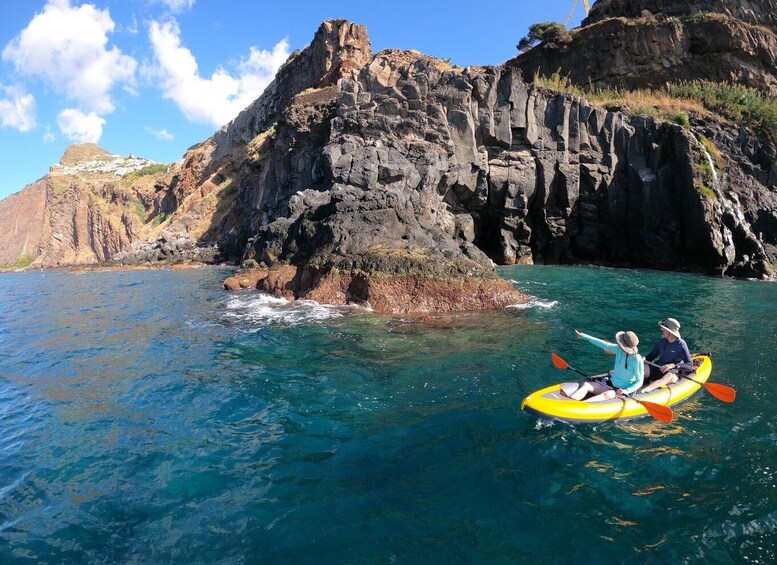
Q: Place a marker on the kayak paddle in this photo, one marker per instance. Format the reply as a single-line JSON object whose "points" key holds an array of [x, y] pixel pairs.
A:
{"points": [[659, 412], [719, 391]]}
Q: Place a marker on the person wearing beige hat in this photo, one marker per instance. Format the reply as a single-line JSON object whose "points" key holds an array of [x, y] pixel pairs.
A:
{"points": [[670, 353], [626, 375]]}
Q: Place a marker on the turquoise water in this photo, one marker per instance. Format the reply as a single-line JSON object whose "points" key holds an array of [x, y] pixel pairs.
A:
{"points": [[151, 417]]}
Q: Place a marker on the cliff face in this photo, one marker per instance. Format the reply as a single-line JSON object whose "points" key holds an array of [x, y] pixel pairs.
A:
{"points": [[395, 179], [411, 154], [21, 216], [637, 44], [754, 12], [90, 207]]}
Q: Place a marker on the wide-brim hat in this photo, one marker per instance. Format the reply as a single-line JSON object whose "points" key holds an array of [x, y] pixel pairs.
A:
{"points": [[671, 325], [627, 341]]}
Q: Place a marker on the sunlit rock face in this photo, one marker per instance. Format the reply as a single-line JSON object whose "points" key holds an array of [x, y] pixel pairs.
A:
{"points": [[397, 180], [637, 44]]}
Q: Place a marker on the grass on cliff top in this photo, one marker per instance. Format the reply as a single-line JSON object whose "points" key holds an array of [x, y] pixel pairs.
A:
{"points": [[743, 105]]}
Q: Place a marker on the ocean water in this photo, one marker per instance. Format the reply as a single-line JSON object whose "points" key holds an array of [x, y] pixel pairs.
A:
{"points": [[151, 417]]}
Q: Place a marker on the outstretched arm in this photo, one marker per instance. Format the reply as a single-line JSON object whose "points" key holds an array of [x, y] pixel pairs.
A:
{"points": [[606, 345]]}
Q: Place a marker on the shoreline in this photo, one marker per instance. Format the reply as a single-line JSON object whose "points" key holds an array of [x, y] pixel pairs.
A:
{"points": [[77, 269]]}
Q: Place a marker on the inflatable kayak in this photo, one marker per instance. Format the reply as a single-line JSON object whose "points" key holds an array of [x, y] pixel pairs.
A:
{"points": [[549, 403]]}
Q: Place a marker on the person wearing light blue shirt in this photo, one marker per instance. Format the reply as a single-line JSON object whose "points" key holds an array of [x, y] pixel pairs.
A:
{"points": [[627, 373]]}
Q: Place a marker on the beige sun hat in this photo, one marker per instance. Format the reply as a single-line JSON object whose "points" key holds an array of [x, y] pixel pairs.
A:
{"points": [[628, 342], [671, 325]]}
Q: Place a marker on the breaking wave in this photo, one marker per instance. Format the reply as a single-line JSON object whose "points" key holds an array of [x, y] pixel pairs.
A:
{"points": [[535, 302], [259, 310]]}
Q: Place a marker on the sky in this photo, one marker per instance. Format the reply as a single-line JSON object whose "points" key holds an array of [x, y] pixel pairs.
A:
{"points": [[154, 77]]}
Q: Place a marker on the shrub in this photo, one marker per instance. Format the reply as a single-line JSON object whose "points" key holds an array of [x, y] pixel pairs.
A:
{"points": [[136, 207], [551, 34], [741, 104], [682, 119], [21, 263], [145, 171], [160, 219], [713, 151], [558, 83], [707, 191]]}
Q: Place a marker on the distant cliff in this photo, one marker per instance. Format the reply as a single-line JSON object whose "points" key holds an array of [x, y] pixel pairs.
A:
{"points": [[91, 207], [395, 179]]}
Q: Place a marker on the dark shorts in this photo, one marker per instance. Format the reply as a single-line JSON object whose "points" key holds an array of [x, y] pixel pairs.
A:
{"points": [[655, 374], [604, 379]]}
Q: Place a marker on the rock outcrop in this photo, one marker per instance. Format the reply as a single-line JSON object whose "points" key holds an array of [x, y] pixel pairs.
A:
{"points": [[352, 213], [753, 12], [396, 180], [476, 164], [639, 43]]}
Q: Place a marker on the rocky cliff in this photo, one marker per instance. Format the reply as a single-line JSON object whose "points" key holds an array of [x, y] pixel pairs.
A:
{"points": [[92, 207], [408, 154], [396, 180], [639, 43]]}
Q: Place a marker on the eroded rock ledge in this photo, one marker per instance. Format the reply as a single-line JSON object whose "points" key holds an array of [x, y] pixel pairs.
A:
{"points": [[405, 284]]}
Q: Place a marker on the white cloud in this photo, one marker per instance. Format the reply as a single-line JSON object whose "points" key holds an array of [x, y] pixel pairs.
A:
{"points": [[18, 110], [218, 99], [133, 27], [162, 134], [66, 46], [79, 127], [177, 6], [49, 136]]}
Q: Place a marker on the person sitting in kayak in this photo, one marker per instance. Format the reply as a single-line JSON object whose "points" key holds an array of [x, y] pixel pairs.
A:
{"points": [[625, 377], [671, 352]]}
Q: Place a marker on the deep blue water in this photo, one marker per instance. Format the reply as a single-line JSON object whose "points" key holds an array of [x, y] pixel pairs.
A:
{"points": [[152, 417]]}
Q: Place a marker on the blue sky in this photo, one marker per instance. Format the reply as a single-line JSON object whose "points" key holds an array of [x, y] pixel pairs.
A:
{"points": [[154, 77]]}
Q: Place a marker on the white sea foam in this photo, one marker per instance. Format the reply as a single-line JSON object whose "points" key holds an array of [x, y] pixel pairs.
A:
{"points": [[535, 303], [543, 423], [260, 310]]}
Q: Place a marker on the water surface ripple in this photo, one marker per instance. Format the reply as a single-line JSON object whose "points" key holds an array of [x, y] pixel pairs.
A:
{"points": [[152, 417]]}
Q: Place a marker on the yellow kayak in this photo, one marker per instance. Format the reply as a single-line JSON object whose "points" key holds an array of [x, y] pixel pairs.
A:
{"points": [[548, 403]]}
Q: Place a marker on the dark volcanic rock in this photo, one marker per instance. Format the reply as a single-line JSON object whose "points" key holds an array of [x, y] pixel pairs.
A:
{"points": [[755, 12], [396, 180], [637, 44], [465, 166], [474, 162]]}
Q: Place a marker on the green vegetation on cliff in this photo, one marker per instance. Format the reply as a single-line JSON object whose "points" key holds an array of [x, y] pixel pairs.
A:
{"points": [[743, 105], [551, 34], [145, 171], [21, 263]]}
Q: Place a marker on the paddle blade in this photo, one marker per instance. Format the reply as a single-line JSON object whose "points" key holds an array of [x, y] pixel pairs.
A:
{"points": [[721, 392], [558, 362], [663, 413]]}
